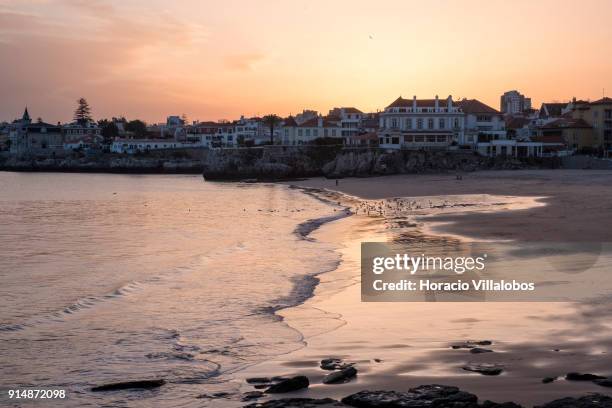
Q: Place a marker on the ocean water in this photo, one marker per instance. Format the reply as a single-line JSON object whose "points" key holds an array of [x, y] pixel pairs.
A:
{"points": [[108, 278]]}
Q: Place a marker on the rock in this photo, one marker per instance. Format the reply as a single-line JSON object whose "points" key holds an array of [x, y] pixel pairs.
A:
{"points": [[258, 380], [470, 344], [143, 384], [484, 369], [588, 401], [297, 403], [583, 377], [288, 385], [424, 396], [491, 404], [334, 364], [547, 380], [603, 382], [247, 396], [479, 350], [343, 375]]}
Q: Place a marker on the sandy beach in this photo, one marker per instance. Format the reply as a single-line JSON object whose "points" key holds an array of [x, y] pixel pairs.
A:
{"points": [[396, 346]]}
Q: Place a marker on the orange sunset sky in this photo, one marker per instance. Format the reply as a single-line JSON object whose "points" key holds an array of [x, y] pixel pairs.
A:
{"points": [[218, 59]]}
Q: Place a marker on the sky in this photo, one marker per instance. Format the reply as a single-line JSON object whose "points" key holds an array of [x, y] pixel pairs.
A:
{"points": [[214, 60]]}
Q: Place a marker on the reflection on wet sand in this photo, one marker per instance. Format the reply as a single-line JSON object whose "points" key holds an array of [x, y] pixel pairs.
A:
{"points": [[397, 345]]}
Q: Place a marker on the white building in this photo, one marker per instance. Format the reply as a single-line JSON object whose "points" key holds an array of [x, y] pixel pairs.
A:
{"points": [[131, 146], [420, 124], [348, 118], [293, 133], [482, 123]]}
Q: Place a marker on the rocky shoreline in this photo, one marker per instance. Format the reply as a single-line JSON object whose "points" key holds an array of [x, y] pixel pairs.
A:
{"points": [[273, 162]]}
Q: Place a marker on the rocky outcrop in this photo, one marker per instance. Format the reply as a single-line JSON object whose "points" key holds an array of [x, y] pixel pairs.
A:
{"points": [[278, 162], [141, 384], [105, 164]]}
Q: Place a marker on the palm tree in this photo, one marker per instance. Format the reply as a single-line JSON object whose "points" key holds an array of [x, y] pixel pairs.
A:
{"points": [[272, 121]]}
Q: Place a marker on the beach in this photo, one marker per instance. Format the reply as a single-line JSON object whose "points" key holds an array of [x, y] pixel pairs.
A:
{"points": [[396, 346]]}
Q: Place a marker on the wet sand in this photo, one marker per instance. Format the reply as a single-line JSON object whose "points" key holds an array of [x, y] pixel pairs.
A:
{"points": [[397, 346]]}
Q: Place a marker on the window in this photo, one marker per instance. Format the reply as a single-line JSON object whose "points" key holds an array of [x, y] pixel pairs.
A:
{"points": [[395, 140], [333, 132], [326, 132], [456, 122], [441, 123], [393, 123], [430, 123], [299, 132], [419, 123], [307, 132], [483, 118], [408, 123], [315, 132]]}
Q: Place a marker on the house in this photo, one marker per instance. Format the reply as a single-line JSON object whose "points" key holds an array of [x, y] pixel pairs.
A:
{"points": [[370, 122], [348, 118], [576, 133], [552, 110], [293, 133], [306, 115], [420, 124], [598, 115], [81, 136], [38, 137], [482, 123]]}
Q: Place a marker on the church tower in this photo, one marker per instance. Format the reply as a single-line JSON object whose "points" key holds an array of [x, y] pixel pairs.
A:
{"points": [[25, 119]]}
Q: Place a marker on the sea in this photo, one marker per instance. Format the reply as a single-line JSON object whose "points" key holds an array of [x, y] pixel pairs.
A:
{"points": [[107, 278]]}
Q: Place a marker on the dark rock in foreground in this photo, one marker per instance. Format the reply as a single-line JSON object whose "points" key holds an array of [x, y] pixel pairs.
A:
{"points": [[583, 377], [480, 350], [491, 404], [298, 403], [588, 401], [603, 382], [547, 380], [247, 396], [290, 384], [484, 369], [144, 384], [424, 396], [343, 375], [333, 364]]}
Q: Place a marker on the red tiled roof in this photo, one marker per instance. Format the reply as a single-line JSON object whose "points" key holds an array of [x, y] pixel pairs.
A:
{"points": [[422, 103], [550, 139], [352, 110], [475, 106], [567, 123], [517, 123]]}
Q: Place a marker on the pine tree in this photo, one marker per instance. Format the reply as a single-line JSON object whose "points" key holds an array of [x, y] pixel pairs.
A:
{"points": [[82, 114]]}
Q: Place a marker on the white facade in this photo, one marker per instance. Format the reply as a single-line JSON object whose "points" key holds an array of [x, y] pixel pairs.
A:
{"points": [[293, 134], [421, 124], [131, 146]]}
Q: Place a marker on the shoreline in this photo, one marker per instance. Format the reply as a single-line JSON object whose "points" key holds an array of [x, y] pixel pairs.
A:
{"points": [[376, 375]]}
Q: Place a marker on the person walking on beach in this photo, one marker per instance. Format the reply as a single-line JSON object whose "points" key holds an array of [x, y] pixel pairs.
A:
{"points": [[336, 182]]}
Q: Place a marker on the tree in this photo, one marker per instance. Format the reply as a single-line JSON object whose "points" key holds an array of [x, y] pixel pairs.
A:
{"points": [[272, 121], [108, 129], [137, 127], [82, 114]]}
